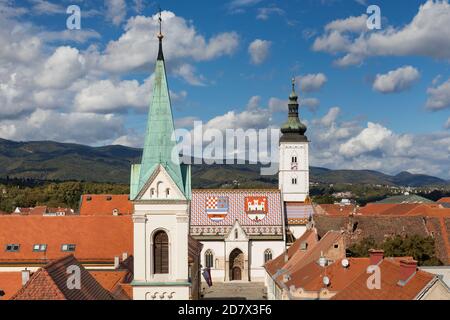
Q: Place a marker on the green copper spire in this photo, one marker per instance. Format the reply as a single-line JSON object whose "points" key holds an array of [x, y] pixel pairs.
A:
{"points": [[158, 145], [293, 130]]}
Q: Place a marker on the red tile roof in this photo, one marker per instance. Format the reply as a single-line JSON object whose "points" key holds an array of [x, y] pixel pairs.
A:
{"points": [[384, 209], [444, 200], [335, 209], [390, 287], [105, 205], [97, 238], [114, 281], [50, 283], [403, 209], [10, 283], [42, 210], [309, 237], [310, 277]]}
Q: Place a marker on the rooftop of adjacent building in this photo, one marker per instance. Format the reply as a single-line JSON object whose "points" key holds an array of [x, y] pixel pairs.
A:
{"points": [[105, 204], [50, 283], [39, 239], [306, 268]]}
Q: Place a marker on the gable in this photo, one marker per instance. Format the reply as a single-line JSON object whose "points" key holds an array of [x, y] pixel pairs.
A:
{"points": [[238, 231], [160, 186]]}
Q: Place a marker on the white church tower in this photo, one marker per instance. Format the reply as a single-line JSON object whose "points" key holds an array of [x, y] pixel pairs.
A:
{"points": [[161, 194], [293, 173]]}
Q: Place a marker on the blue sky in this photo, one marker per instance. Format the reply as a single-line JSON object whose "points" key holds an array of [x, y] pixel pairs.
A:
{"points": [[384, 107]]}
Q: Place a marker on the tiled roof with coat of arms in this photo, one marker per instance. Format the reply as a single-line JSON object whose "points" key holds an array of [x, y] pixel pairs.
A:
{"points": [[258, 211]]}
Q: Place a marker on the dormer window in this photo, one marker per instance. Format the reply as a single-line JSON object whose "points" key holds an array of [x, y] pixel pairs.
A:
{"points": [[12, 248], [304, 245], [68, 248], [39, 248]]}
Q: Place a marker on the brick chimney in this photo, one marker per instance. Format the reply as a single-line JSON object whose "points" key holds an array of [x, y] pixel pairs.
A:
{"points": [[407, 269], [376, 256]]}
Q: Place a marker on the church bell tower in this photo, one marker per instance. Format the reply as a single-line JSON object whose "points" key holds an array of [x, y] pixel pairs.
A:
{"points": [[293, 173], [160, 190]]}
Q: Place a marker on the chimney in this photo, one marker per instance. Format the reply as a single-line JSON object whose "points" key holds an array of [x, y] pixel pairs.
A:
{"points": [[376, 256], [116, 262], [407, 269], [124, 256], [25, 276]]}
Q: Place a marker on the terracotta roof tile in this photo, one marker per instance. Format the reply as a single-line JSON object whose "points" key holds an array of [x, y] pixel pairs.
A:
{"points": [[335, 209], [310, 277], [105, 205], [50, 283], [309, 237], [10, 283], [444, 200], [390, 288], [236, 208], [97, 238], [114, 281]]}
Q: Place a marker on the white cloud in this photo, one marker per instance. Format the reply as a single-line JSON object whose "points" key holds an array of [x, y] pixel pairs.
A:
{"points": [[61, 69], [188, 73], [137, 47], [259, 50], [397, 80], [238, 6], [85, 128], [426, 35], [330, 117], [311, 82], [439, 96], [351, 24], [370, 139], [116, 11], [265, 13], [312, 104], [43, 7], [106, 96]]}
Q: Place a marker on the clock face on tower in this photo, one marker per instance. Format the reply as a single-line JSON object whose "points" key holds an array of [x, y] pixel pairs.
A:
{"points": [[294, 166]]}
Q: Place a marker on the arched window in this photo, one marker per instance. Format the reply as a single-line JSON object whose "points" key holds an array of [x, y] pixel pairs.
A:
{"points": [[294, 180], [267, 255], [294, 159], [161, 253], [236, 234], [209, 259]]}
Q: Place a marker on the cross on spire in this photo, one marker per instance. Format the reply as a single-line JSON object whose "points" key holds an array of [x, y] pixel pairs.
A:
{"points": [[160, 35]]}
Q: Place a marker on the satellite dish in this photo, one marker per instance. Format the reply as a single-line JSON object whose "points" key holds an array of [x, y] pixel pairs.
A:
{"points": [[345, 263], [326, 281]]}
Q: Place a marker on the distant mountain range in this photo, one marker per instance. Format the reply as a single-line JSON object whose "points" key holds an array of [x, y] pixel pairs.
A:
{"points": [[48, 160]]}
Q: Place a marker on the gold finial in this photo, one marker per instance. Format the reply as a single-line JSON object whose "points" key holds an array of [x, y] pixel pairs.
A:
{"points": [[160, 35]]}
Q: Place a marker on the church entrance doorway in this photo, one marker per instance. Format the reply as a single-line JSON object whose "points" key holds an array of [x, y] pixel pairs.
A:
{"points": [[236, 264]]}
